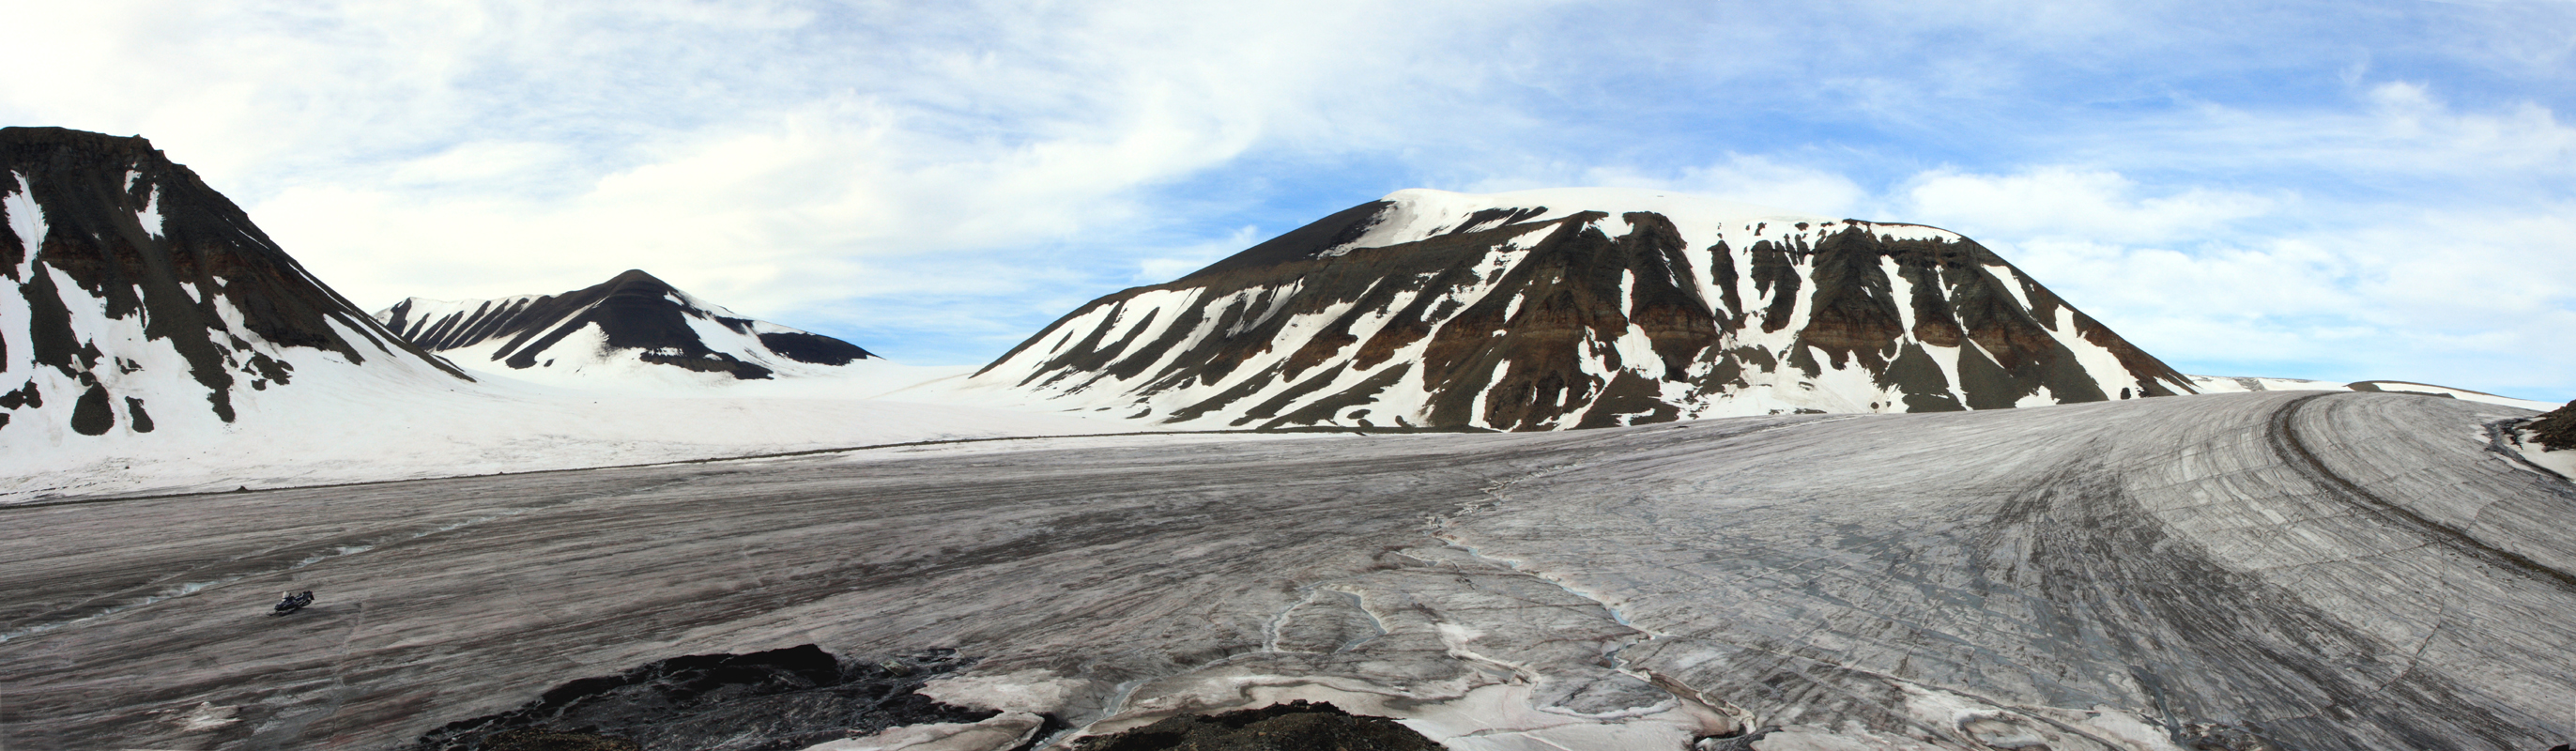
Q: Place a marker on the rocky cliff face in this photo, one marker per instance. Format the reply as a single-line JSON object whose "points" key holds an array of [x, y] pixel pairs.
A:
{"points": [[1579, 308], [2556, 430], [630, 322], [146, 299]]}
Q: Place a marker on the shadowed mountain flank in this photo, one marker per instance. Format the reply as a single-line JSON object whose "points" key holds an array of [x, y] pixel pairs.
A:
{"points": [[136, 283], [632, 316], [1580, 308]]}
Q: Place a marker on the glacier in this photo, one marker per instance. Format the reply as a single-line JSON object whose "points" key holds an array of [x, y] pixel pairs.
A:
{"points": [[2295, 570]]}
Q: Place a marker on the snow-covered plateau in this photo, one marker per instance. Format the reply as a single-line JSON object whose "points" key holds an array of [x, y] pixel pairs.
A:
{"points": [[2291, 570]]}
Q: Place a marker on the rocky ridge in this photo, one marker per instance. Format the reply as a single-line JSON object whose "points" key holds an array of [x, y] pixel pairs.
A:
{"points": [[631, 320], [146, 300]]}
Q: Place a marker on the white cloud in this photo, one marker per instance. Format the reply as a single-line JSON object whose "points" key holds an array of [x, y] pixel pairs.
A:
{"points": [[1748, 179], [2470, 296], [2063, 202], [770, 155], [1170, 264]]}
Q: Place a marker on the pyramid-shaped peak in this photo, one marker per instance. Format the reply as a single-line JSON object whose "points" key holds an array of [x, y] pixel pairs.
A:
{"points": [[634, 316], [143, 285], [636, 277]]}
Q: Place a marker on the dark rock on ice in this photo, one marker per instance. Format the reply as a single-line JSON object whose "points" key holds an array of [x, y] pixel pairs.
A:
{"points": [[1736, 742], [1294, 726], [764, 701]]}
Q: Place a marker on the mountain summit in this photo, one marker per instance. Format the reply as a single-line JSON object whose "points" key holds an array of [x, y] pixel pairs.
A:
{"points": [[629, 323], [1577, 308], [146, 300]]}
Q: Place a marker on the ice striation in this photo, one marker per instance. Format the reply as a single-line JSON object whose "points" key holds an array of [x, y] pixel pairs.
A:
{"points": [[629, 326], [1578, 308], [148, 302]]}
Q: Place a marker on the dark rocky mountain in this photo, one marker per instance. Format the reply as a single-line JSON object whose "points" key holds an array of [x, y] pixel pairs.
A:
{"points": [[1579, 308], [632, 321], [146, 299]]}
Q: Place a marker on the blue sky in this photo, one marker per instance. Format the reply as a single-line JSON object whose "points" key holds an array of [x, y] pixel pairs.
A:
{"points": [[2321, 190]]}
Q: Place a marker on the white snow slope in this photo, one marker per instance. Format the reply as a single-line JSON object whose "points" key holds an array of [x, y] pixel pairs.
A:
{"points": [[2239, 385], [359, 424]]}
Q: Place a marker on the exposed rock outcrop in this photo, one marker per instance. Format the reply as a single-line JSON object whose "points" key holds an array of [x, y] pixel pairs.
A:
{"points": [[2556, 431]]}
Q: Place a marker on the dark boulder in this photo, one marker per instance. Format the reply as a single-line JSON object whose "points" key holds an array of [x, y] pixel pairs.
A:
{"points": [[1294, 726], [777, 700]]}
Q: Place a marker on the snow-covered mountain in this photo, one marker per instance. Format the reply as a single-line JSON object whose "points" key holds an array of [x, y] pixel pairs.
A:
{"points": [[160, 342], [1574, 308], [148, 302], [632, 327]]}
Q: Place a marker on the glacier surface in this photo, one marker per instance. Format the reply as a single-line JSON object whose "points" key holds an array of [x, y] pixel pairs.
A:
{"points": [[2311, 570]]}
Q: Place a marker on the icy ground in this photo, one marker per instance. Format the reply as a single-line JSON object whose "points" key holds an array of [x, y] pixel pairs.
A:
{"points": [[2322, 570]]}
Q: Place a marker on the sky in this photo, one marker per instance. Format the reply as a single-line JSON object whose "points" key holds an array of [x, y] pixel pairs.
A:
{"points": [[2328, 190]]}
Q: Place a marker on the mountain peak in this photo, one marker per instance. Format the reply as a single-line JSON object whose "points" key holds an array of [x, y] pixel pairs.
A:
{"points": [[82, 140], [633, 319], [1580, 307], [139, 284], [635, 278]]}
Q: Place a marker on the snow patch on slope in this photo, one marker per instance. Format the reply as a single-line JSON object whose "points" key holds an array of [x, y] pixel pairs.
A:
{"points": [[2562, 462], [26, 219]]}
